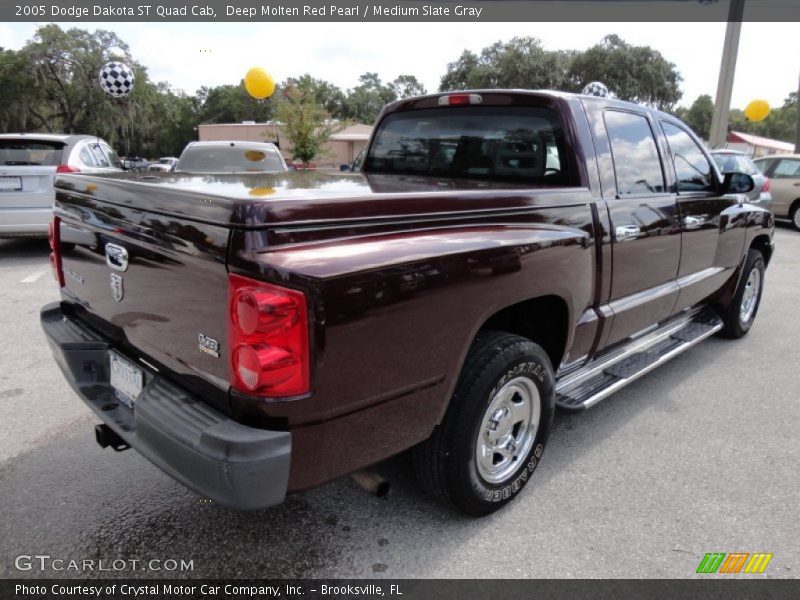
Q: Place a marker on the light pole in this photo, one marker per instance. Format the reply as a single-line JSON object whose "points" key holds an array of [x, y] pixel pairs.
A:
{"points": [[722, 105]]}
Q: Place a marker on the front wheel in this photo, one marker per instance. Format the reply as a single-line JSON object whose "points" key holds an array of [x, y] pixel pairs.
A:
{"points": [[739, 315], [795, 216], [493, 434]]}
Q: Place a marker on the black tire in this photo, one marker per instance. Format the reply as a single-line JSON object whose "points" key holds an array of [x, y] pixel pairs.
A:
{"points": [[794, 215], [735, 323], [446, 463]]}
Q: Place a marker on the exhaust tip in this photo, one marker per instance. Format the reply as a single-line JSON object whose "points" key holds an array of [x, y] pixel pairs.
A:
{"points": [[105, 437], [371, 482]]}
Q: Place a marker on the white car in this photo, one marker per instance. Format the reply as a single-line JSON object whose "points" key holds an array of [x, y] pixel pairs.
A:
{"points": [[28, 164], [164, 165], [231, 157]]}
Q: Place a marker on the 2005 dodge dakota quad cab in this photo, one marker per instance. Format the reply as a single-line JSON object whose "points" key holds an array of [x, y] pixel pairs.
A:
{"points": [[501, 253]]}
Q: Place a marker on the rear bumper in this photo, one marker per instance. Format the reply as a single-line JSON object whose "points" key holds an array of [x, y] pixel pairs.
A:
{"points": [[25, 222], [235, 465]]}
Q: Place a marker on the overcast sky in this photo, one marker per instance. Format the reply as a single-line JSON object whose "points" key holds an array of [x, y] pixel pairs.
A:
{"points": [[189, 55]]}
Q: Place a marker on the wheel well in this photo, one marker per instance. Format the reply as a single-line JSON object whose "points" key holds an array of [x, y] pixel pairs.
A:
{"points": [[761, 243], [542, 320]]}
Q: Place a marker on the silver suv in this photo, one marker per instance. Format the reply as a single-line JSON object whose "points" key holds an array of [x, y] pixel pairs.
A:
{"points": [[28, 164]]}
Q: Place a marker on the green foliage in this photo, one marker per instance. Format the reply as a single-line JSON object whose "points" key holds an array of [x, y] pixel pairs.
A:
{"points": [[780, 124], [232, 104], [698, 115], [407, 86], [635, 73], [305, 121], [365, 101]]}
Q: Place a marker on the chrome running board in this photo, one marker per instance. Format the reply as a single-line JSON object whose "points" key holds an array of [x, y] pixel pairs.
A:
{"points": [[595, 381]]}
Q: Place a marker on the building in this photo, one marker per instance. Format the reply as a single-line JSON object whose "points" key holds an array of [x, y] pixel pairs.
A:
{"points": [[342, 148], [755, 145]]}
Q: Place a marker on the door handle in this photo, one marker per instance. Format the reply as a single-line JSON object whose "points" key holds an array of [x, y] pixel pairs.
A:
{"points": [[693, 222], [627, 232]]}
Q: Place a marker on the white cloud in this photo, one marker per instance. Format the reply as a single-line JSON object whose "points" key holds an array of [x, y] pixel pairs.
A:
{"points": [[340, 52]]}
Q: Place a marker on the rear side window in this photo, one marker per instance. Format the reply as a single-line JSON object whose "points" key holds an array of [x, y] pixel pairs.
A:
{"points": [[692, 168], [523, 144], [229, 159], [30, 152], [734, 163], [633, 147], [99, 155], [86, 157], [763, 164], [787, 168]]}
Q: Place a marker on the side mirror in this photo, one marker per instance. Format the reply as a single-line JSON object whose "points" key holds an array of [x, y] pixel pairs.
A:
{"points": [[737, 183]]}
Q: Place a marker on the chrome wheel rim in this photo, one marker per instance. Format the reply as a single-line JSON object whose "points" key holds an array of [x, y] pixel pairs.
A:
{"points": [[750, 296], [796, 218], [507, 430]]}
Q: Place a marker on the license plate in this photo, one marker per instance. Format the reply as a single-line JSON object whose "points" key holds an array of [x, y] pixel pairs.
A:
{"points": [[126, 378], [10, 184]]}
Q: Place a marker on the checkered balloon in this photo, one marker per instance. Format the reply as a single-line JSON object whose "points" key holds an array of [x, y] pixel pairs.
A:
{"points": [[116, 79], [595, 89]]}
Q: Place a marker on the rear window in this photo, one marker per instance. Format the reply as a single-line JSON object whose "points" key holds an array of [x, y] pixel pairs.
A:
{"points": [[735, 163], [229, 159], [30, 152], [524, 144]]}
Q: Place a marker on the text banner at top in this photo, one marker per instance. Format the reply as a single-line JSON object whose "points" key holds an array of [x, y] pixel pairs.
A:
{"points": [[388, 11]]}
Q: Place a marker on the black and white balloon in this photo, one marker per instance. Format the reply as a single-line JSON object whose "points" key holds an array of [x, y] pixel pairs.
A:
{"points": [[116, 79], [595, 89]]}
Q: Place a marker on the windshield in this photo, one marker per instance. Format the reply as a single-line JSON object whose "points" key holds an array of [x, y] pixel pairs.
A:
{"points": [[30, 152], [230, 159], [524, 144], [735, 163]]}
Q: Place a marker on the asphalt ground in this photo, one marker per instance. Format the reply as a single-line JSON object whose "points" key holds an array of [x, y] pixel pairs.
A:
{"points": [[701, 455]]}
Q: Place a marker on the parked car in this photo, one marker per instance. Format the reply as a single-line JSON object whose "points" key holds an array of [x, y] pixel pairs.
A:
{"points": [[732, 161], [230, 157], [164, 165], [28, 164], [499, 254], [784, 172]]}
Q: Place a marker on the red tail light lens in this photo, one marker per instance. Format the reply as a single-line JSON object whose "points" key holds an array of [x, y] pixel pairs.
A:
{"points": [[268, 338], [765, 187], [67, 169], [54, 237]]}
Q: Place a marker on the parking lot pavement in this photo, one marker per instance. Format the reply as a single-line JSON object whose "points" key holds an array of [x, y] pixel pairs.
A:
{"points": [[699, 456]]}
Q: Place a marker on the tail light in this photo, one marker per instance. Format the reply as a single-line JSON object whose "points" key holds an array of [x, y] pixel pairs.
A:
{"points": [[67, 169], [765, 187], [268, 338], [54, 237]]}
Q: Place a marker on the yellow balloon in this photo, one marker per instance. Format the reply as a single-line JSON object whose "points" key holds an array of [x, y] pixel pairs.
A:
{"points": [[258, 83], [757, 110]]}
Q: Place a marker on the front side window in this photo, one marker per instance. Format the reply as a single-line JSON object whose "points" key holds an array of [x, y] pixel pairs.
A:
{"points": [[633, 147], [519, 144], [692, 168], [99, 155], [787, 168], [111, 156]]}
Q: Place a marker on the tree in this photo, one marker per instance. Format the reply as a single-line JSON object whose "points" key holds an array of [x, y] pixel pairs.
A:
{"points": [[305, 121], [780, 124], [331, 98], [407, 86], [365, 101], [635, 73], [519, 63], [231, 104], [698, 115]]}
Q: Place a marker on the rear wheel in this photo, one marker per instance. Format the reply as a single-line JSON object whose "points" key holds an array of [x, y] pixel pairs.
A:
{"points": [[739, 315], [493, 434], [795, 215]]}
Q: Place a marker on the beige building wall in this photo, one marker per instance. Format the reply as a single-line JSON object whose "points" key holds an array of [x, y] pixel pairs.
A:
{"points": [[342, 148]]}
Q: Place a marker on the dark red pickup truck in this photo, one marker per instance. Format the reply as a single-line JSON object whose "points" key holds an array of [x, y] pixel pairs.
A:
{"points": [[500, 253]]}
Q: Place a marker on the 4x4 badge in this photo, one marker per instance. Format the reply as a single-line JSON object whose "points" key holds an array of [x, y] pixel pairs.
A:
{"points": [[117, 291]]}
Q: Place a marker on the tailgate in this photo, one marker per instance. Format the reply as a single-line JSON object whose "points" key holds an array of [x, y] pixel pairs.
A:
{"points": [[153, 284]]}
